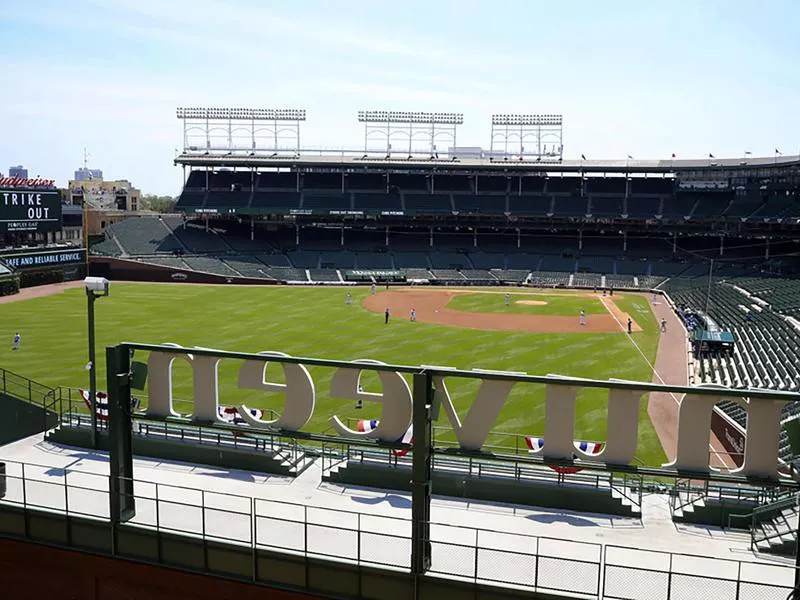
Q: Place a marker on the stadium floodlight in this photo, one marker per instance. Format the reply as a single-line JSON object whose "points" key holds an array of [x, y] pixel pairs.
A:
{"points": [[96, 287], [547, 120], [391, 116], [242, 114]]}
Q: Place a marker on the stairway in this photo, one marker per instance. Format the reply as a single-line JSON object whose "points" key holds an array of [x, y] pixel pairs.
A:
{"points": [[777, 534]]}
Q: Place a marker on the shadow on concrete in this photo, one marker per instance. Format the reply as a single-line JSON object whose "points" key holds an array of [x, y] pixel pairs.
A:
{"points": [[393, 500]]}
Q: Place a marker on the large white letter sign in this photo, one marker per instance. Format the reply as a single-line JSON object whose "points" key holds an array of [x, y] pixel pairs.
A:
{"points": [[205, 383], [622, 431], [396, 398], [694, 427], [299, 388], [763, 429], [482, 413], [559, 421]]}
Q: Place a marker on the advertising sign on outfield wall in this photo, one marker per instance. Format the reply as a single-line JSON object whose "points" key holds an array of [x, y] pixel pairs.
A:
{"points": [[29, 210], [38, 260]]}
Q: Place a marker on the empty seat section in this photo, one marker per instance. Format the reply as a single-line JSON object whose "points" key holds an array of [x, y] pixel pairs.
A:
{"points": [[643, 207], [278, 202], [326, 202], [451, 276], [529, 262], [248, 266], [337, 260], [619, 281], [142, 235], [679, 206], [487, 260], [328, 275], [478, 276], [374, 260], [449, 260], [744, 206], [490, 184], [407, 260], [606, 185], [587, 280], [189, 200], [480, 204], [321, 181], [452, 183], [642, 185], [570, 206], [197, 239], [377, 202], [165, 261], [564, 185], [607, 206], [288, 274], [209, 264], [277, 180], [402, 182], [428, 203], [711, 205], [529, 205], [365, 181], [275, 260], [227, 199], [196, 180], [303, 259], [510, 275]]}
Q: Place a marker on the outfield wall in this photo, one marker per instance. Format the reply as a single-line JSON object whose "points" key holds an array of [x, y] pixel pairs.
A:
{"points": [[119, 269]]}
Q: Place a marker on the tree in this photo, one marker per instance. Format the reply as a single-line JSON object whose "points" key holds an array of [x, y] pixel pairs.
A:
{"points": [[162, 204]]}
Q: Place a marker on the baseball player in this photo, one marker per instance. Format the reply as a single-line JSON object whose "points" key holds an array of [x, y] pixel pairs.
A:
{"points": [[386, 316], [663, 326], [413, 315], [583, 317], [630, 325], [508, 299], [17, 341], [349, 298], [372, 289]]}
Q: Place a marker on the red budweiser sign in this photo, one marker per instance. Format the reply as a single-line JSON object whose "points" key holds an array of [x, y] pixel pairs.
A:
{"points": [[27, 183]]}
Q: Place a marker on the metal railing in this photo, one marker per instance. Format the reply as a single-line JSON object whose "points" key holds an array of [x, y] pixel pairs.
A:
{"points": [[22, 388], [478, 555]]}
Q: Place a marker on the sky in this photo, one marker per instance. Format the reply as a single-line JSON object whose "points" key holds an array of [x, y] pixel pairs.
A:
{"points": [[645, 79]]}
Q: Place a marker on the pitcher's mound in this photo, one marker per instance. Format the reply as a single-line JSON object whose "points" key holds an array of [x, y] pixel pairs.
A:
{"points": [[530, 302]]}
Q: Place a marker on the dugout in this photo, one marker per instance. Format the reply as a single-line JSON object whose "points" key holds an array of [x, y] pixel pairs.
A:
{"points": [[710, 338]]}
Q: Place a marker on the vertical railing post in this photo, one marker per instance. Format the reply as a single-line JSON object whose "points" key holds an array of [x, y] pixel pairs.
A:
{"points": [[120, 455], [203, 526], [669, 578], [475, 566], [421, 475]]}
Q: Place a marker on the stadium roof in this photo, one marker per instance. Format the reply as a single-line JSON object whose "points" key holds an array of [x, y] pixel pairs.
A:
{"points": [[375, 161]]}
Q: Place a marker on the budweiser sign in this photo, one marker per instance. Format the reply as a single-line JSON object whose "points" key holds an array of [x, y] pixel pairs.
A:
{"points": [[27, 183]]}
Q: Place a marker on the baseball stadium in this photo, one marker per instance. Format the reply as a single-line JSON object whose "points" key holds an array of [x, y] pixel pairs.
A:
{"points": [[409, 370]]}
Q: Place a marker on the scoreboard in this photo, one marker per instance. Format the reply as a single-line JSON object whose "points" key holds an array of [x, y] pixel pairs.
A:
{"points": [[29, 209]]}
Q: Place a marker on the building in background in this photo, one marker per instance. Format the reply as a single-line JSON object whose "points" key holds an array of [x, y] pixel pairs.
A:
{"points": [[107, 201], [18, 171], [85, 174]]}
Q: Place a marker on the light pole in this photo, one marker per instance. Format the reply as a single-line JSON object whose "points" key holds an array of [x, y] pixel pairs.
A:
{"points": [[96, 287]]}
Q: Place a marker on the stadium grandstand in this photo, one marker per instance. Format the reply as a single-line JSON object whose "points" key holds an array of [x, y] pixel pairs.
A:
{"points": [[718, 236]]}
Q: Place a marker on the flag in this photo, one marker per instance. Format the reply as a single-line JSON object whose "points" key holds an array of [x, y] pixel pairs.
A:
{"points": [[630, 157], [777, 151], [365, 426], [583, 157], [101, 403], [536, 444], [408, 438], [747, 152], [710, 155], [230, 414], [673, 155]]}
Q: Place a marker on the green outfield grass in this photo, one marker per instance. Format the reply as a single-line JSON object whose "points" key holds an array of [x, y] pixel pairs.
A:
{"points": [[569, 305], [317, 322]]}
